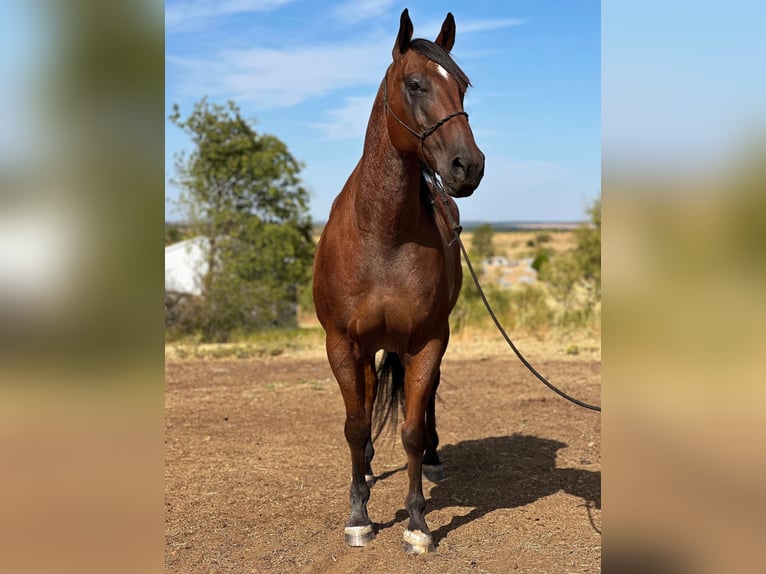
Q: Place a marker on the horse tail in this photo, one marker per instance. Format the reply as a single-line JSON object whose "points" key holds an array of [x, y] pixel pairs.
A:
{"points": [[390, 395]]}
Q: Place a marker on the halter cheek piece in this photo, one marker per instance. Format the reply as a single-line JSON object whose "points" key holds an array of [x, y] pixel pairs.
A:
{"points": [[426, 132], [432, 176]]}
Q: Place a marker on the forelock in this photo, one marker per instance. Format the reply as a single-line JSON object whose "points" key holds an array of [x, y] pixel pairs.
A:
{"points": [[437, 54]]}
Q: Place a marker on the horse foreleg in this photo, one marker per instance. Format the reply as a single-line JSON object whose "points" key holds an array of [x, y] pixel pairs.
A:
{"points": [[353, 382], [359, 530], [420, 376]]}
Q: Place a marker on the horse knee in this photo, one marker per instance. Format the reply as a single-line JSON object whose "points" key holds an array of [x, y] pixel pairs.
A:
{"points": [[357, 430], [413, 439]]}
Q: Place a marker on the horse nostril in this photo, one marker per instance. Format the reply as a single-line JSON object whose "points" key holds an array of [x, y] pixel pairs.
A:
{"points": [[458, 168]]}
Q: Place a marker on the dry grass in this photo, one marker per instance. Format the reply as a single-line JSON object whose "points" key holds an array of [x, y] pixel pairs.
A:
{"points": [[488, 343], [467, 344], [515, 244], [307, 342]]}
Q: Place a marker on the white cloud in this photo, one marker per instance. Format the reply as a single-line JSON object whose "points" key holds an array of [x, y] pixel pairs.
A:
{"points": [[431, 29], [485, 25], [349, 121], [356, 11], [275, 78], [181, 14], [279, 77]]}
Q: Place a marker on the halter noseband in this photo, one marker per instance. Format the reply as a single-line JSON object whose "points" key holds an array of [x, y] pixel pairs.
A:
{"points": [[426, 132]]}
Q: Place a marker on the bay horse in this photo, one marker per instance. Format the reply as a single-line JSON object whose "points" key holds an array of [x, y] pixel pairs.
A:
{"points": [[387, 270]]}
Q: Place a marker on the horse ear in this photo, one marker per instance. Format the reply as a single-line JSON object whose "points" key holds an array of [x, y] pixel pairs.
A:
{"points": [[405, 35], [446, 38]]}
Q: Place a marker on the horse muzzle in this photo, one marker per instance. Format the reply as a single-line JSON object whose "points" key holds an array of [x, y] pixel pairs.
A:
{"points": [[463, 174]]}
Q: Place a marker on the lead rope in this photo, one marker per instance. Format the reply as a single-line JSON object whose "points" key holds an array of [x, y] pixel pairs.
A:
{"points": [[435, 181]]}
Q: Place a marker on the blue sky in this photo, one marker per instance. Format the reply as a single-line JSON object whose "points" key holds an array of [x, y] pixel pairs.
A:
{"points": [[307, 72], [683, 85]]}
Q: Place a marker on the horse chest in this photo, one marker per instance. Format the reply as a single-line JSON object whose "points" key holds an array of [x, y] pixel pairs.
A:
{"points": [[408, 275], [398, 304]]}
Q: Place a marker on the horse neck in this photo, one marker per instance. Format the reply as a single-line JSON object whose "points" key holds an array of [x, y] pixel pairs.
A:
{"points": [[387, 198]]}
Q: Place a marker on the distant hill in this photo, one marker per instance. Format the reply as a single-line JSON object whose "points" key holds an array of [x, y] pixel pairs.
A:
{"points": [[524, 225], [176, 231], [503, 225]]}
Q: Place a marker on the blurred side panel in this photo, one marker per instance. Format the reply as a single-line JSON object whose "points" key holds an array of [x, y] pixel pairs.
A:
{"points": [[81, 203], [684, 206]]}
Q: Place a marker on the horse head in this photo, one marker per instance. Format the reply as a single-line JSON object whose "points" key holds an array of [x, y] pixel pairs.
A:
{"points": [[423, 93]]}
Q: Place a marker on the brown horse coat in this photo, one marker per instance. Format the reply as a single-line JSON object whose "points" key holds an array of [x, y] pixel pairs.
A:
{"points": [[386, 272]]}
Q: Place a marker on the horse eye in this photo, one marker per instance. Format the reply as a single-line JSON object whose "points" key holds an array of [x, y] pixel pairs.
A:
{"points": [[413, 86]]}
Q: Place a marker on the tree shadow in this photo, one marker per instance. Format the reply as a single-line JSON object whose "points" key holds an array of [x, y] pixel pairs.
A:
{"points": [[506, 472]]}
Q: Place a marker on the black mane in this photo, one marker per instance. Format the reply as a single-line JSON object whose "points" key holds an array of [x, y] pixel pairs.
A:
{"points": [[439, 55]]}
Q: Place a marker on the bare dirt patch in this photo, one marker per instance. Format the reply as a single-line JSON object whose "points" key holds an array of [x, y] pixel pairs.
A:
{"points": [[257, 471]]}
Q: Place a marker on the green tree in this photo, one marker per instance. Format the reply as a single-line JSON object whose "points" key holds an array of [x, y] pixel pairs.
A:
{"points": [[587, 250], [242, 191], [574, 277], [172, 233], [175, 232], [481, 244]]}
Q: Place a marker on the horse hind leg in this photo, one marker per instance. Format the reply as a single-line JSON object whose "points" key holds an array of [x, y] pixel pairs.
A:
{"points": [[369, 453], [371, 391], [432, 466]]}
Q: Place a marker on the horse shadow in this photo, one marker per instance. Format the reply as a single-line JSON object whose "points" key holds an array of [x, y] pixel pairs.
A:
{"points": [[504, 472]]}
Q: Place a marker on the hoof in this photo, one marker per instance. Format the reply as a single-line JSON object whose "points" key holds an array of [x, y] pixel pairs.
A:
{"points": [[417, 542], [433, 472], [359, 535], [369, 479]]}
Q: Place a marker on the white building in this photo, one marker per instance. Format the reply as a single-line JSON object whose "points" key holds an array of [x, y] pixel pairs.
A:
{"points": [[186, 264], [497, 261]]}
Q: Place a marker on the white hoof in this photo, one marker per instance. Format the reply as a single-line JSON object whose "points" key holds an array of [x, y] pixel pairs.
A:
{"points": [[359, 535], [417, 542]]}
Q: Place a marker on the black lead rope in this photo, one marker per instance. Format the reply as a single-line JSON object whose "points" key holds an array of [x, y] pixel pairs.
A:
{"points": [[432, 177]]}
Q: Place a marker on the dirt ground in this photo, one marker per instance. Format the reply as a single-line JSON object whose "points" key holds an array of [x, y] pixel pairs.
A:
{"points": [[257, 471]]}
